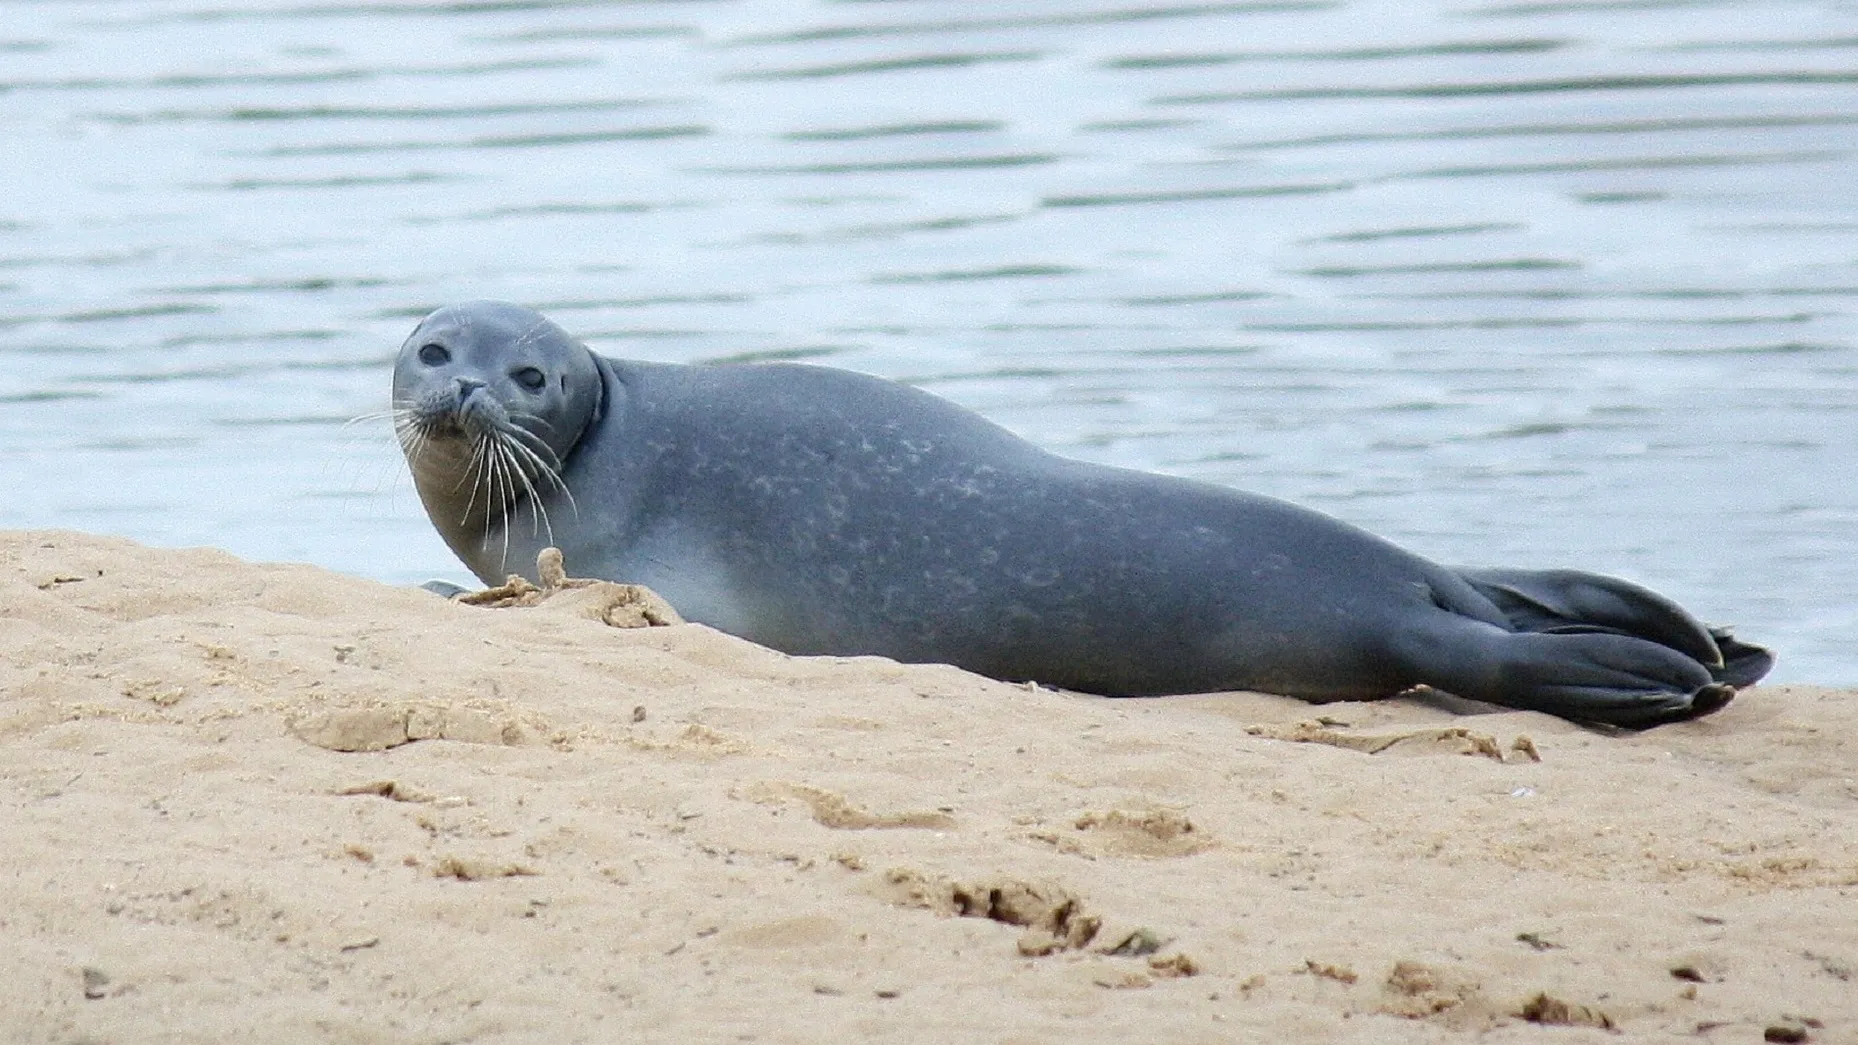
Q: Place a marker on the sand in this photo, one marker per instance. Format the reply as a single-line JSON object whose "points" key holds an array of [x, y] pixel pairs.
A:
{"points": [[271, 803]]}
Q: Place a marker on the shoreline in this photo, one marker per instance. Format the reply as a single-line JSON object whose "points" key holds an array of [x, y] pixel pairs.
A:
{"points": [[272, 799]]}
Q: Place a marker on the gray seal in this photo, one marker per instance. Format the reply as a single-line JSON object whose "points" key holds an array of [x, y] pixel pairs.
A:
{"points": [[820, 511]]}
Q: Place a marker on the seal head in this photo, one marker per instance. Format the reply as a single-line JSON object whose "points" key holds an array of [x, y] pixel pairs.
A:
{"points": [[489, 402]]}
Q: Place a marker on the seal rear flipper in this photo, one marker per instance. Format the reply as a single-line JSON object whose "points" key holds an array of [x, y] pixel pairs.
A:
{"points": [[1583, 675], [1744, 664], [1570, 601]]}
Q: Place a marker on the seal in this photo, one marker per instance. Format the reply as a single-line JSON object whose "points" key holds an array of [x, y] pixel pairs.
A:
{"points": [[820, 511]]}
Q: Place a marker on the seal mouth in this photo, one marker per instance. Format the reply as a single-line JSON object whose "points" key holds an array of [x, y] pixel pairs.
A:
{"points": [[499, 464], [443, 426], [471, 413]]}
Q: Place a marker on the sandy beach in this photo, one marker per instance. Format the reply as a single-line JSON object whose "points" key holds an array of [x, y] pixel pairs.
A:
{"points": [[278, 804]]}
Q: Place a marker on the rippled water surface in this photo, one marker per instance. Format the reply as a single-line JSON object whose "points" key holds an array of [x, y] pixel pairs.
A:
{"points": [[1522, 282]]}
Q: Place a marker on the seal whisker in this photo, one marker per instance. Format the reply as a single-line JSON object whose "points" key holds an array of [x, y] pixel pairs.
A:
{"points": [[551, 466], [499, 484], [392, 413], [412, 429], [405, 429], [548, 472], [412, 444], [538, 512], [513, 472], [506, 467], [529, 438], [412, 434], [473, 472], [483, 466]]}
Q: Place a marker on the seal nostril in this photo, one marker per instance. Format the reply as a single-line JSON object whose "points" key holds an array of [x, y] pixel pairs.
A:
{"points": [[463, 389]]}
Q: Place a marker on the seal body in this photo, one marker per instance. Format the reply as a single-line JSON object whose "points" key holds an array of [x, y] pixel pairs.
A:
{"points": [[819, 511]]}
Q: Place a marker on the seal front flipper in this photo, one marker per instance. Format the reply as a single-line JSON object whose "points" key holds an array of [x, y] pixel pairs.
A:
{"points": [[1570, 601], [1591, 675]]}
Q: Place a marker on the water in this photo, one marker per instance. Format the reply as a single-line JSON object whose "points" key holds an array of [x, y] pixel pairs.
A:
{"points": [[1522, 282]]}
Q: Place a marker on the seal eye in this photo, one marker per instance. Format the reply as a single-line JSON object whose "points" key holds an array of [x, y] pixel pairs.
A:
{"points": [[529, 377], [434, 355]]}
